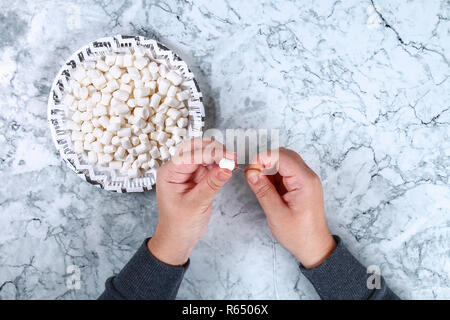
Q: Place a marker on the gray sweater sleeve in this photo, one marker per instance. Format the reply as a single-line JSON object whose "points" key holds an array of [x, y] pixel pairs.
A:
{"points": [[144, 278], [342, 277]]}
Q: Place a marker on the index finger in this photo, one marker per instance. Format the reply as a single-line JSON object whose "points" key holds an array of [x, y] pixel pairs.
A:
{"points": [[191, 155], [287, 163]]}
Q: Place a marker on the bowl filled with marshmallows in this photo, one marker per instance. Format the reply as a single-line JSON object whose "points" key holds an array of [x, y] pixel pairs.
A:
{"points": [[119, 108]]}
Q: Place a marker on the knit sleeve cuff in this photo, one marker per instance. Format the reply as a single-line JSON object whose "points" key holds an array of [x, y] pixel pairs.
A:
{"points": [[145, 277], [340, 276]]}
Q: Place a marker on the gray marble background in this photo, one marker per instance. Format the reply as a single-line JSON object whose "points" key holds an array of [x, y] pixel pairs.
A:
{"points": [[362, 92]]}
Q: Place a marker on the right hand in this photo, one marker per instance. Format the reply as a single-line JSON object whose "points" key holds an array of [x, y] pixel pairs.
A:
{"points": [[292, 200]]}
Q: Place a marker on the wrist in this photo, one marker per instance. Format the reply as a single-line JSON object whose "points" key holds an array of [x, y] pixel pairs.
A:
{"points": [[317, 253], [168, 251]]}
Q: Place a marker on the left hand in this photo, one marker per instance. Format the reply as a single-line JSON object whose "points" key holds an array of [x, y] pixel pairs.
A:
{"points": [[185, 189]]}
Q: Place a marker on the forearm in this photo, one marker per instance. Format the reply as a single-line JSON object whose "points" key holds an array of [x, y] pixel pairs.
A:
{"points": [[145, 278], [342, 277]]}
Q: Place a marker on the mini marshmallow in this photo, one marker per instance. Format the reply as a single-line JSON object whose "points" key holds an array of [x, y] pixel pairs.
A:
{"points": [[115, 72], [125, 167], [96, 97], [170, 142], [148, 128], [158, 119], [133, 173], [153, 67], [172, 91], [116, 165], [169, 122], [164, 153], [143, 138], [87, 146], [172, 102], [163, 108], [100, 110], [126, 143], [135, 141], [163, 70], [163, 86], [77, 136], [173, 114], [142, 113], [84, 93], [86, 116], [154, 100], [104, 159], [173, 150], [134, 73], [87, 127], [115, 141], [128, 60], [121, 95], [112, 85], [143, 158], [145, 75], [102, 66], [120, 153], [89, 137], [126, 88], [113, 127], [140, 62], [131, 103], [174, 77], [98, 133], [142, 102], [122, 108], [182, 122], [119, 61], [227, 164], [142, 148], [125, 78], [106, 137], [93, 73], [79, 74], [138, 83], [92, 157], [97, 146], [106, 97], [154, 152], [99, 82], [110, 59], [124, 132], [109, 149], [104, 121], [141, 92], [183, 95]]}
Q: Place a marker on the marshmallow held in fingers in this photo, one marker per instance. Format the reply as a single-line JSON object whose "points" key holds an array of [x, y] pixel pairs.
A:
{"points": [[227, 164]]}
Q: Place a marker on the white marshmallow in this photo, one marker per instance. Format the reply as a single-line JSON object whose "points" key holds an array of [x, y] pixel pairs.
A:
{"points": [[174, 77], [227, 164], [154, 100]]}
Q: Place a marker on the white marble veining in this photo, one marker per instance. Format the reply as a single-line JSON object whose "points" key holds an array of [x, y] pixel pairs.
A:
{"points": [[361, 92]]}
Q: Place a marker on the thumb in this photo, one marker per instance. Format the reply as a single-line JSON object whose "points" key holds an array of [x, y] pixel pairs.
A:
{"points": [[265, 192], [210, 185]]}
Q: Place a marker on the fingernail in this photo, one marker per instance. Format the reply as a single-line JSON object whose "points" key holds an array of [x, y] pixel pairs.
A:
{"points": [[224, 174], [252, 176]]}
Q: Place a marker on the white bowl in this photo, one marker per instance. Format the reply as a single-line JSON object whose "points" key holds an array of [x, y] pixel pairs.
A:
{"points": [[103, 177]]}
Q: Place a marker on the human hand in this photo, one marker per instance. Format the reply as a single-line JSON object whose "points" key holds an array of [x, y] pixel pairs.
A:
{"points": [[185, 188], [293, 202]]}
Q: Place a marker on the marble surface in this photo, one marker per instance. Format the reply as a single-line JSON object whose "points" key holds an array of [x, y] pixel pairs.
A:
{"points": [[362, 92]]}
